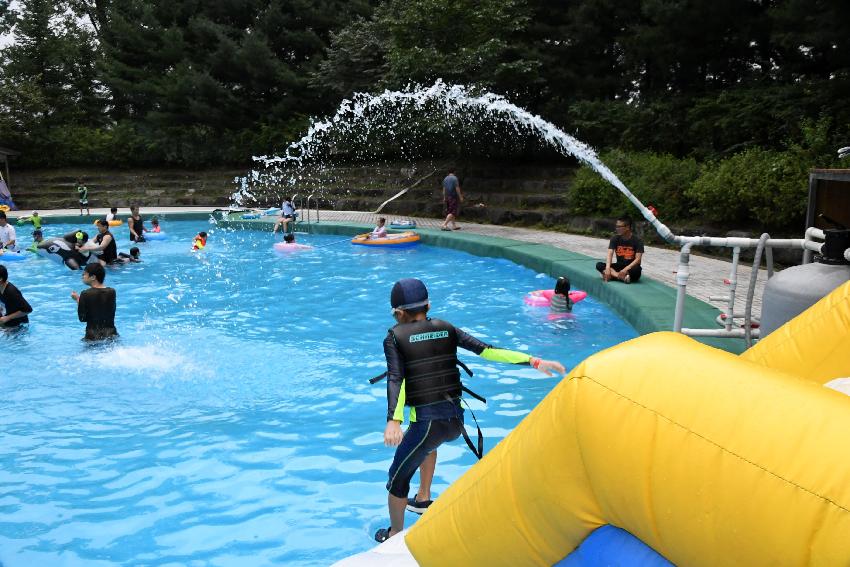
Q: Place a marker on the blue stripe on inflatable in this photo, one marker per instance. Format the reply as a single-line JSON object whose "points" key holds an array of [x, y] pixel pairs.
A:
{"points": [[613, 546]]}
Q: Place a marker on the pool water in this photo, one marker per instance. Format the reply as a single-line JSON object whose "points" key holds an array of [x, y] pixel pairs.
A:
{"points": [[233, 423]]}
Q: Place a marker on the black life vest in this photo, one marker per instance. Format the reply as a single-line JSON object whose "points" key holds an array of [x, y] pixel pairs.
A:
{"points": [[429, 349]]}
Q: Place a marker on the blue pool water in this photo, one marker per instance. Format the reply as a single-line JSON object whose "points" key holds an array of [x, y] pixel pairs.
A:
{"points": [[233, 423]]}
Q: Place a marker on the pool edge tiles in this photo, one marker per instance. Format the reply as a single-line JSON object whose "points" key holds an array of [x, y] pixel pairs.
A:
{"points": [[647, 306]]}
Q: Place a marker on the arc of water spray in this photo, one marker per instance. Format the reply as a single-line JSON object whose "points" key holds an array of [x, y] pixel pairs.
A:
{"points": [[452, 98]]}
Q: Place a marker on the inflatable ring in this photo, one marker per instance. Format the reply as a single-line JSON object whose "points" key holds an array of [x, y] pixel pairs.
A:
{"points": [[403, 224], [156, 235], [391, 240], [10, 256], [251, 216], [290, 247], [5, 208], [114, 222], [543, 297]]}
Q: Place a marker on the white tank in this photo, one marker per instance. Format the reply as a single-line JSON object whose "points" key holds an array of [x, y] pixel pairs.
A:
{"points": [[792, 291]]}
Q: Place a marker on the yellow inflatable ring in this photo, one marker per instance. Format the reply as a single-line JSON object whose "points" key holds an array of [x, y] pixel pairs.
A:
{"points": [[395, 240], [112, 222]]}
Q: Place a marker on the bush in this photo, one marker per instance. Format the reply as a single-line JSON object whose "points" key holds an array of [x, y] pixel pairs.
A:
{"points": [[765, 187], [656, 179], [759, 186]]}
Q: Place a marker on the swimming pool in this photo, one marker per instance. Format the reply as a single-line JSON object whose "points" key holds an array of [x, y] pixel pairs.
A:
{"points": [[233, 422]]}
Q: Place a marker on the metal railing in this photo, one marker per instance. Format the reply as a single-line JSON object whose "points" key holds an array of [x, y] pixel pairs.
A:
{"points": [[748, 328], [311, 197]]}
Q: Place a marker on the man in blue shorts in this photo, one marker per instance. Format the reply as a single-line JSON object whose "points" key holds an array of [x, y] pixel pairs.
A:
{"points": [[422, 373]]}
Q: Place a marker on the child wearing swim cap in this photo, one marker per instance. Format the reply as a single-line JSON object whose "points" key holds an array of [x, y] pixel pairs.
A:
{"points": [[422, 374]]}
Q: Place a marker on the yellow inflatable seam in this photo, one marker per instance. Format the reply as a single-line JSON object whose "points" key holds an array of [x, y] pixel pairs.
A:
{"points": [[722, 448]]}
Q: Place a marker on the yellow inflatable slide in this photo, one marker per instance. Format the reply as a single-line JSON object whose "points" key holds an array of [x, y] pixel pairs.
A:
{"points": [[708, 458]]}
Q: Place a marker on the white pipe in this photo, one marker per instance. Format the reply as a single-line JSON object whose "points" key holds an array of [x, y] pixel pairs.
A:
{"points": [[811, 234], [682, 274], [733, 285], [736, 333]]}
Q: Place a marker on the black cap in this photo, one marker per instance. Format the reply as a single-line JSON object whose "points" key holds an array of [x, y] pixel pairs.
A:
{"points": [[408, 294]]}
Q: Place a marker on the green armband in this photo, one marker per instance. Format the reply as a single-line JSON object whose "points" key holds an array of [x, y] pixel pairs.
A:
{"points": [[502, 355], [398, 414]]}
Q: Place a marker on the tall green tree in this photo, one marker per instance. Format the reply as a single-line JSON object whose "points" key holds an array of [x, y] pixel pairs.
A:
{"points": [[49, 82]]}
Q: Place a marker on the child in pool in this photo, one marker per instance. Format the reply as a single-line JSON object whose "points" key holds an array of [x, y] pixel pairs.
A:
{"points": [[200, 241], [561, 302], [133, 257], [380, 231], [155, 225]]}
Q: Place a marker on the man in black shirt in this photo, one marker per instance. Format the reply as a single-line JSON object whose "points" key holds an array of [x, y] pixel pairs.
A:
{"points": [[14, 306], [104, 244], [628, 250], [96, 305]]}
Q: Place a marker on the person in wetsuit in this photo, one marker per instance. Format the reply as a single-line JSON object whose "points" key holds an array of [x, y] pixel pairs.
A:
{"points": [[104, 245], [96, 305], [422, 373], [15, 309]]}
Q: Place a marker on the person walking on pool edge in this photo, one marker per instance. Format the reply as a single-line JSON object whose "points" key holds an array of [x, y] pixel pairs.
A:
{"points": [[628, 249], [83, 194], [453, 197], [422, 373]]}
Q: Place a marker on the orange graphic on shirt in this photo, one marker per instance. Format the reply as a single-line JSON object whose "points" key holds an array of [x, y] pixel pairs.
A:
{"points": [[625, 252]]}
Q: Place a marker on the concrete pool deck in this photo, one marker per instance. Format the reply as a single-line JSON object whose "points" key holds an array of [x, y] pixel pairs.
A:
{"points": [[648, 305]]}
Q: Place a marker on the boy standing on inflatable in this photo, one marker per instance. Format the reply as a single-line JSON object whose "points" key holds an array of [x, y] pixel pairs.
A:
{"points": [[422, 373]]}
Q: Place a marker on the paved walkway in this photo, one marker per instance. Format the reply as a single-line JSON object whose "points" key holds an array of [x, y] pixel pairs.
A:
{"points": [[706, 274]]}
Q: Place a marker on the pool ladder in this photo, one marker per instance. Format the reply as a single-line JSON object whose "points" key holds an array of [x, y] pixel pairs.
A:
{"points": [[299, 205]]}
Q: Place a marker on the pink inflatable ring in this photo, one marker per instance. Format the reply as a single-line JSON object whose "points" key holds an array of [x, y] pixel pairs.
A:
{"points": [[290, 247], [543, 297]]}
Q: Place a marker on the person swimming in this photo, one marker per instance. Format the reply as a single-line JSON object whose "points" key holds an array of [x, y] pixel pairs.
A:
{"points": [[37, 237], [155, 225], [200, 241], [133, 257], [561, 302]]}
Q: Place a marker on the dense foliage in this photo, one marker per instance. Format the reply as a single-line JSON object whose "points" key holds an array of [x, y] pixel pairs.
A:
{"points": [[730, 85]]}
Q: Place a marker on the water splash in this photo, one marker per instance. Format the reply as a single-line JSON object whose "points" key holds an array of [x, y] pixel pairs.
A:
{"points": [[365, 114]]}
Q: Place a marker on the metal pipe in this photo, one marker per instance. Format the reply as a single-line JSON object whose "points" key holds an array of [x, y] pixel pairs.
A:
{"points": [[811, 234], [682, 274], [768, 261], [754, 274], [733, 285], [737, 333]]}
